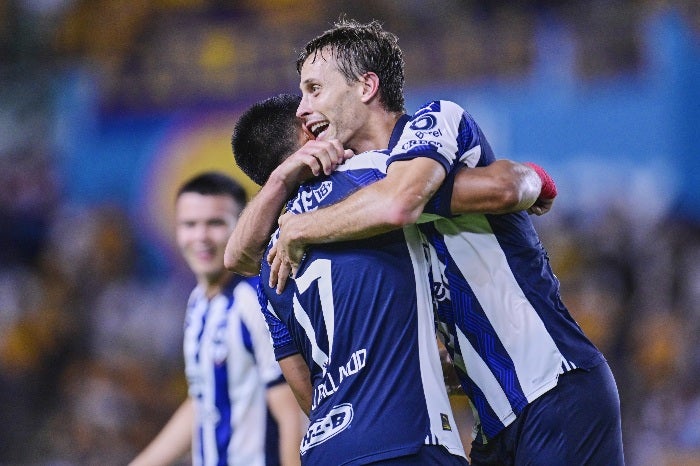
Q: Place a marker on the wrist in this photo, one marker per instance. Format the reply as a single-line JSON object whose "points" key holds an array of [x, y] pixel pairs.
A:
{"points": [[549, 188], [279, 182]]}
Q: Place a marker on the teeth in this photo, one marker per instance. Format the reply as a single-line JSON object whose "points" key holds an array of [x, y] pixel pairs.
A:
{"points": [[318, 128]]}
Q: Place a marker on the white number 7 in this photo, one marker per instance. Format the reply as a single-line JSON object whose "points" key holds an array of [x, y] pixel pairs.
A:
{"points": [[318, 271]]}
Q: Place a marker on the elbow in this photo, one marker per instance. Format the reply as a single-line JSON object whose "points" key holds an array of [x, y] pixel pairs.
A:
{"points": [[402, 212], [231, 264], [231, 259], [237, 264], [519, 189]]}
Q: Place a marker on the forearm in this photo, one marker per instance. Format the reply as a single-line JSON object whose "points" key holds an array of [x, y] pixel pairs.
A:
{"points": [[286, 412], [502, 187], [298, 377], [258, 220], [386, 205], [173, 441]]}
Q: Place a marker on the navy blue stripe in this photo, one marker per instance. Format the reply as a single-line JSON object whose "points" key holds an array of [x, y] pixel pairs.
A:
{"points": [[469, 317], [224, 430], [247, 339]]}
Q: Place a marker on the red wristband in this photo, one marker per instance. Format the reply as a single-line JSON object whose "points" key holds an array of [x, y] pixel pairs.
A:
{"points": [[549, 189]]}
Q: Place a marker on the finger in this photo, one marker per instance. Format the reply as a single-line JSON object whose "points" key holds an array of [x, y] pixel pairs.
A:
{"points": [[281, 220], [284, 271], [329, 155], [314, 164], [272, 253], [326, 157], [274, 271]]}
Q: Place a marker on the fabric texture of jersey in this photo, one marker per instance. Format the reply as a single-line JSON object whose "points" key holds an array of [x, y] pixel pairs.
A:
{"points": [[498, 300], [361, 315], [229, 362]]}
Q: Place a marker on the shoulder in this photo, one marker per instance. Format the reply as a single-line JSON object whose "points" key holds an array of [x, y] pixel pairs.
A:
{"points": [[372, 160], [439, 106], [246, 289]]}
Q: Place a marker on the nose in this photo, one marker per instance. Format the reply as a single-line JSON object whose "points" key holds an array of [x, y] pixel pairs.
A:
{"points": [[303, 110], [200, 232]]}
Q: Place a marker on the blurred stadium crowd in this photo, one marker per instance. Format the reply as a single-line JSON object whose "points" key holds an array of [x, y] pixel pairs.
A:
{"points": [[90, 336]]}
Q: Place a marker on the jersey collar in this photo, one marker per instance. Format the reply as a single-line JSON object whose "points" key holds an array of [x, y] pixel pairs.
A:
{"points": [[398, 129]]}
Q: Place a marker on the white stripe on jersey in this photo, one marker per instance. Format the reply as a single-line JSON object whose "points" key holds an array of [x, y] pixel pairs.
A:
{"points": [[215, 347], [302, 317], [471, 157], [373, 159], [481, 260], [434, 389], [482, 375]]}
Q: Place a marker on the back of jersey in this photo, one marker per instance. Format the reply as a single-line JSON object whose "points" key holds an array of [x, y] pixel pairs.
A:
{"points": [[361, 314], [505, 325]]}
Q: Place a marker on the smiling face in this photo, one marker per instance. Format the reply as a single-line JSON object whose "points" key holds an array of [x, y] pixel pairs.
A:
{"points": [[203, 226], [331, 107]]}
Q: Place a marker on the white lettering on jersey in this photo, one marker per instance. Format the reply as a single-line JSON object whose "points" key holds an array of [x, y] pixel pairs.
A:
{"points": [[330, 384], [307, 201], [337, 420]]}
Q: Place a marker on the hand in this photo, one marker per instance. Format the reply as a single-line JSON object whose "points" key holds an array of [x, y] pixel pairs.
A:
{"points": [[544, 202], [284, 257], [314, 158], [541, 206]]}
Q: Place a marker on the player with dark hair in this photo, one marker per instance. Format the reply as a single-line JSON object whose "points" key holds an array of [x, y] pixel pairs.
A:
{"points": [[231, 371], [540, 389], [342, 305], [277, 114]]}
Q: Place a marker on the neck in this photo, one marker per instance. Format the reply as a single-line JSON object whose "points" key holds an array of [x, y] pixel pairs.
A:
{"points": [[376, 132], [212, 287]]}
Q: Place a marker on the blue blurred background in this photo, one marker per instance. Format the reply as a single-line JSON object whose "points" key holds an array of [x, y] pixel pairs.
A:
{"points": [[107, 105]]}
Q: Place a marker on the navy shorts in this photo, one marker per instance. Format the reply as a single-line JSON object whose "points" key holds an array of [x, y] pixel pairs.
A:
{"points": [[575, 423], [428, 455]]}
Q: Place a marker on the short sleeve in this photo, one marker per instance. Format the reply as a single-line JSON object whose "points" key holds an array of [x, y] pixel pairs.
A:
{"points": [[438, 130], [280, 335]]}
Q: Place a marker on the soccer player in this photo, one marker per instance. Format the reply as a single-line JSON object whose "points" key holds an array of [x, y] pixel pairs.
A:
{"points": [[232, 375], [254, 153], [369, 401], [541, 391]]}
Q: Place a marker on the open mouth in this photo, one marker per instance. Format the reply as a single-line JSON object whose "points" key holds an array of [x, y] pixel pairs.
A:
{"points": [[317, 128]]}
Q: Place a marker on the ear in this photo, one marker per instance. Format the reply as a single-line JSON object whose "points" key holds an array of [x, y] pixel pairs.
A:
{"points": [[369, 83]]}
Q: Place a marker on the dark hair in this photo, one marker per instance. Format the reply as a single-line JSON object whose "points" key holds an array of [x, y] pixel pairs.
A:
{"points": [[265, 135], [214, 184], [360, 48]]}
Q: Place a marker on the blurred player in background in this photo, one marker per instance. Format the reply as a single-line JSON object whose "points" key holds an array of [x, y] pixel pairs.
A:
{"points": [[232, 375], [541, 391]]}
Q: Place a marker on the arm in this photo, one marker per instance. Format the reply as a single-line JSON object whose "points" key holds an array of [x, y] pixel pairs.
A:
{"points": [[390, 203], [502, 187], [297, 375], [173, 441], [285, 410], [258, 220], [398, 200]]}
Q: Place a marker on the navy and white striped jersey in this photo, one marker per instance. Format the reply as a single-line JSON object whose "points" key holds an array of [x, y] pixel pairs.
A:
{"points": [[498, 300], [361, 314], [229, 362]]}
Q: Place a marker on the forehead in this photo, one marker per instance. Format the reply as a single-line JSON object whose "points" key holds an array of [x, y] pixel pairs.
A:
{"points": [[319, 63], [192, 204]]}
